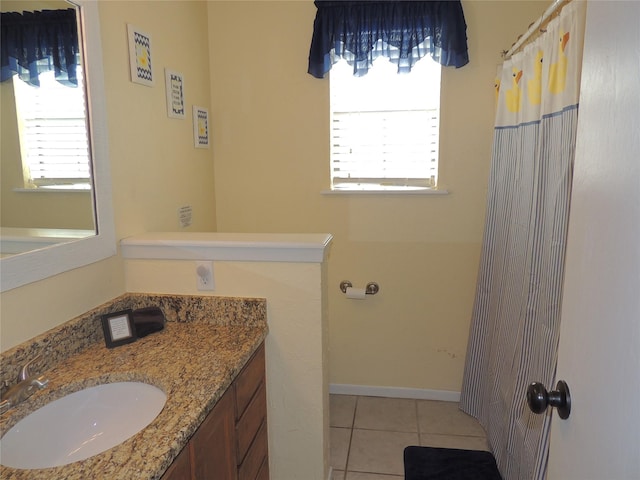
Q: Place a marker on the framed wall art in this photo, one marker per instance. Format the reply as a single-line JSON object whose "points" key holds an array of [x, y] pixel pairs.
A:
{"points": [[140, 56], [118, 328], [201, 127], [174, 83]]}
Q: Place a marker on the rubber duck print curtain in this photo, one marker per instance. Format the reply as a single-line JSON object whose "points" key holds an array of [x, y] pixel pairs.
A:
{"points": [[515, 322]]}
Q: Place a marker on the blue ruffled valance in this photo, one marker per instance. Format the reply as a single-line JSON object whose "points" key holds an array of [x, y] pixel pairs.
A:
{"points": [[33, 42], [403, 31]]}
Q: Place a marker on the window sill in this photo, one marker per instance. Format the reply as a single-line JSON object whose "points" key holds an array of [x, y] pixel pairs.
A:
{"points": [[55, 189], [387, 191]]}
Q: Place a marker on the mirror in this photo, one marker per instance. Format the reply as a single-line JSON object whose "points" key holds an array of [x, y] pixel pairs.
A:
{"points": [[75, 250], [47, 194]]}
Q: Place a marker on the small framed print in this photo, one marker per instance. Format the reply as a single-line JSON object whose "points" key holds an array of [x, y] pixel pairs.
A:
{"points": [[118, 328], [201, 127], [140, 56], [175, 94]]}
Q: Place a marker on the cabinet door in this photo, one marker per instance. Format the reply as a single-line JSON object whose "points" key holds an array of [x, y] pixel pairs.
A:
{"points": [[213, 444], [180, 469]]}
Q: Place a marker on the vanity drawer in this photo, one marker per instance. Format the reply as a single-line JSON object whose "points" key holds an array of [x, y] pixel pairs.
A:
{"points": [[249, 380], [263, 474], [256, 457], [249, 424]]}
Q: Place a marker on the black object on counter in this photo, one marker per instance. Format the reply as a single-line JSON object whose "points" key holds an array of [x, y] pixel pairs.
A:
{"points": [[148, 320]]}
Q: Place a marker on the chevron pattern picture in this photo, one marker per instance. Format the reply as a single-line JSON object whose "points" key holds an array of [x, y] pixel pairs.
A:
{"points": [[140, 56], [201, 127]]}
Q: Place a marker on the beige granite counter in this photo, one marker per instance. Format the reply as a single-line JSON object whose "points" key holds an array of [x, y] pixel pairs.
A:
{"points": [[206, 342]]}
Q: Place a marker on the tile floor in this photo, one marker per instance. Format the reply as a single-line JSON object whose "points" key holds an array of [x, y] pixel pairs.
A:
{"points": [[368, 434]]}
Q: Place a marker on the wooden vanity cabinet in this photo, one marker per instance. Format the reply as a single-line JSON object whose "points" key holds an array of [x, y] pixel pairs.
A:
{"points": [[231, 443]]}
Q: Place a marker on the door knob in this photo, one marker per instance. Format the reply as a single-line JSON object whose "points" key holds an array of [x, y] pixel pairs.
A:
{"points": [[539, 399]]}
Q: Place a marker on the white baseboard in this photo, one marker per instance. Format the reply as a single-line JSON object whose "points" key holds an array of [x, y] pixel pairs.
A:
{"points": [[394, 392]]}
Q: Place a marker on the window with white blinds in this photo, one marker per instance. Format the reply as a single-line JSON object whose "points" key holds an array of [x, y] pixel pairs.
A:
{"points": [[53, 133], [384, 127]]}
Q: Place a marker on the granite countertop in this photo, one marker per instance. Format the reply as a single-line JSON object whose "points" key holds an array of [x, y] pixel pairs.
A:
{"points": [[193, 363]]}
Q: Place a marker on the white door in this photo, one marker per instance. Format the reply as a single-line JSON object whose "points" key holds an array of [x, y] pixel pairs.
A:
{"points": [[599, 351]]}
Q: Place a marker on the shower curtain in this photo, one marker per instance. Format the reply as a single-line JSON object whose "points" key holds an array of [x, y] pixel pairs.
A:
{"points": [[516, 317]]}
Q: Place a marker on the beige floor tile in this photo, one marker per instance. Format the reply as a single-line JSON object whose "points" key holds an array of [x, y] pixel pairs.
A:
{"points": [[454, 441], [372, 476], [446, 418], [337, 475], [339, 439], [393, 414], [342, 409], [374, 451]]}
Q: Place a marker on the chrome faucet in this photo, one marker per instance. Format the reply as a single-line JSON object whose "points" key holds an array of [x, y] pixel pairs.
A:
{"points": [[26, 386]]}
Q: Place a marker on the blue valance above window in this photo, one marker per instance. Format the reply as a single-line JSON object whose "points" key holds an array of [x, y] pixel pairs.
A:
{"points": [[33, 42], [403, 31]]}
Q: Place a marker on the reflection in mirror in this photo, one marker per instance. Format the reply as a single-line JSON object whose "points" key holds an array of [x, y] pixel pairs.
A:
{"points": [[60, 242], [47, 194]]}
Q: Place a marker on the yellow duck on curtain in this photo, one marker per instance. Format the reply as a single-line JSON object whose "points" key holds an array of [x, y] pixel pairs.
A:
{"points": [[534, 85], [512, 100], [558, 70]]}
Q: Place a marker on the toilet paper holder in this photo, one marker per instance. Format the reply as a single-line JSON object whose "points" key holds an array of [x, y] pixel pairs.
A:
{"points": [[371, 289]]}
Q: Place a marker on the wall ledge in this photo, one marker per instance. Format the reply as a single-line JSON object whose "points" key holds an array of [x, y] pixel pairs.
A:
{"points": [[394, 392], [249, 247]]}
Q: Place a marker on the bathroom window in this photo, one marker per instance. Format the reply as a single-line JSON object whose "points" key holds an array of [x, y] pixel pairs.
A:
{"points": [[384, 127], [53, 133]]}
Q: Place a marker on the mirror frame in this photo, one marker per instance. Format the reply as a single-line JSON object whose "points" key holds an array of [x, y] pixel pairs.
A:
{"points": [[24, 268]]}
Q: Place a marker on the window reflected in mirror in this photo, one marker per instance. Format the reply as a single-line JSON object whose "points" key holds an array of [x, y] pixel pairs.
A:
{"points": [[46, 167]]}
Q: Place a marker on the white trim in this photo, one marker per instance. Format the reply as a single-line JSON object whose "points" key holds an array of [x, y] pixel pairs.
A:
{"points": [[20, 240], [394, 392], [330, 476], [256, 247], [388, 191], [85, 188]]}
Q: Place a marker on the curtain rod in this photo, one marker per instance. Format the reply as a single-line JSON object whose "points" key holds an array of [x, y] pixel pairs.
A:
{"points": [[555, 6]]}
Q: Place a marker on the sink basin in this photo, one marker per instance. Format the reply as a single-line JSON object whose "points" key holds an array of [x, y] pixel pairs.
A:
{"points": [[81, 425]]}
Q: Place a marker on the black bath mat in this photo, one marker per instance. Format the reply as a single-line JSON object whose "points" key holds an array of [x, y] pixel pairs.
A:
{"points": [[426, 463]]}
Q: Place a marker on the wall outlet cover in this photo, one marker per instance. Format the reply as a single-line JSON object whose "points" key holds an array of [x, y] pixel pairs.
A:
{"points": [[204, 276]]}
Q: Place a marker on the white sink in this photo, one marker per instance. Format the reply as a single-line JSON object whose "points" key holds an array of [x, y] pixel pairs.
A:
{"points": [[81, 425]]}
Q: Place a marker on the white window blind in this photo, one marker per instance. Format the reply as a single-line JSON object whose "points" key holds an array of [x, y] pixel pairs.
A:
{"points": [[53, 132], [384, 127]]}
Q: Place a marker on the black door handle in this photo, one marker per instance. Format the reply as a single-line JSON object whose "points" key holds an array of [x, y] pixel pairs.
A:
{"points": [[539, 399]]}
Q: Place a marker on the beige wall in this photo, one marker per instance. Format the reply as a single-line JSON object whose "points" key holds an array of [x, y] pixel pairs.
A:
{"points": [[155, 168], [271, 152]]}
